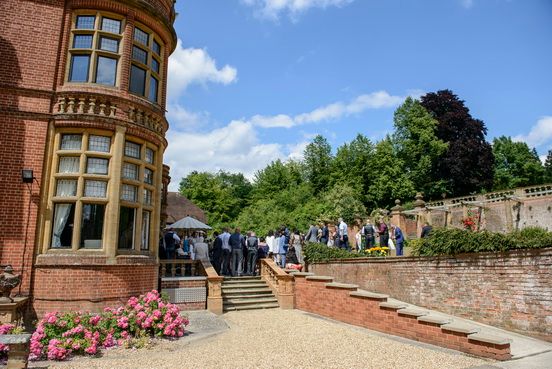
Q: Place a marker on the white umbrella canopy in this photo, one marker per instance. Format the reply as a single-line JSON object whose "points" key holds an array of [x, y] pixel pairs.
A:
{"points": [[188, 223]]}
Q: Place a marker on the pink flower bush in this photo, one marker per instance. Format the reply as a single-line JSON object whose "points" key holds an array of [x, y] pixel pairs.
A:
{"points": [[7, 329], [59, 335]]}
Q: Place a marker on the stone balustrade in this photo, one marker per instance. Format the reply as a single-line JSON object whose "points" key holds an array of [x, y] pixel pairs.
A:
{"points": [[279, 282], [84, 105]]}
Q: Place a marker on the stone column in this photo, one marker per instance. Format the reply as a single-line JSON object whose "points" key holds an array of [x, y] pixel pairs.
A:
{"points": [[397, 217], [421, 213], [113, 194]]}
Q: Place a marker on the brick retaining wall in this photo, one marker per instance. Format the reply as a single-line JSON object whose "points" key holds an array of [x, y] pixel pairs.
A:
{"points": [[344, 303], [510, 290]]}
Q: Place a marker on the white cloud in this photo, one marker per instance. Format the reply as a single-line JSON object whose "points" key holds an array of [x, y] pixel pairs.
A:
{"points": [[272, 9], [181, 118], [190, 65], [540, 133], [467, 3], [375, 100], [233, 148]]}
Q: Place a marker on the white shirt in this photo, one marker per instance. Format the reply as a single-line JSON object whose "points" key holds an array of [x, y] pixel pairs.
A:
{"points": [[270, 243], [225, 237], [342, 229]]}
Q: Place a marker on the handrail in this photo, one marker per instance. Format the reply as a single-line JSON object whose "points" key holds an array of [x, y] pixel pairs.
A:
{"points": [[279, 282], [214, 287]]}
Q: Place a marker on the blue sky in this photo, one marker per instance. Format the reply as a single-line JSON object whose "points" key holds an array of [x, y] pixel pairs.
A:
{"points": [[254, 80]]}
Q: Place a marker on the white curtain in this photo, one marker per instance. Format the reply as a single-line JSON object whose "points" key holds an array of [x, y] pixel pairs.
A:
{"points": [[95, 188], [66, 187], [69, 164], [62, 215], [71, 142], [97, 166]]}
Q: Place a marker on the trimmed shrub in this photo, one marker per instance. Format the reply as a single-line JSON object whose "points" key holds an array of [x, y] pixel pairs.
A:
{"points": [[457, 241], [316, 252]]}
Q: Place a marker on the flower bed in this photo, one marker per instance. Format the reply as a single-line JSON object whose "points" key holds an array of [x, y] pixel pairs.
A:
{"points": [[317, 252], [60, 335], [7, 329]]}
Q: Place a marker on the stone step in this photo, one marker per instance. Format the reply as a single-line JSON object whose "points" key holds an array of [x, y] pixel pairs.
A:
{"points": [[247, 301], [243, 278], [235, 291], [242, 283], [248, 296], [243, 286], [250, 306]]}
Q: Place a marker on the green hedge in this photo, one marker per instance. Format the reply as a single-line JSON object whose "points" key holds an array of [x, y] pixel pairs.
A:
{"points": [[315, 252], [458, 241], [448, 242]]}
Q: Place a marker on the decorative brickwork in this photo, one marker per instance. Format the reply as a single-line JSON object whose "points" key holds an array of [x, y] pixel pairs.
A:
{"points": [[509, 290]]}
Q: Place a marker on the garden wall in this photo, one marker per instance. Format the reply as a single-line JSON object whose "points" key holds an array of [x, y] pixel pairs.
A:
{"points": [[511, 290]]}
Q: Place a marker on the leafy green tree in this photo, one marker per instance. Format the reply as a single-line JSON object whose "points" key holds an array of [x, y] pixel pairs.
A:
{"points": [[318, 161], [390, 179], [468, 161], [342, 201], [515, 164], [275, 177], [351, 165], [418, 147]]}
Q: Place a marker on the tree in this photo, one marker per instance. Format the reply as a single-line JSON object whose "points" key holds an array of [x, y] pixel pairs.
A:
{"points": [[276, 177], [515, 164], [390, 181], [416, 144], [318, 160], [351, 165], [223, 195], [468, 161], [342, 201]]}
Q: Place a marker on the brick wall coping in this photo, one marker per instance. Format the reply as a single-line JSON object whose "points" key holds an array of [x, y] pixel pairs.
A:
{"points": [[476, 255], [342, 286], [319, 278], [301, 274], [369, 295], [170, 279]]}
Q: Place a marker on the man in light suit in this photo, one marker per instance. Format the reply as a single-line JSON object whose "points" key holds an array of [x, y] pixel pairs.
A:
{"points": [[312, 234]]}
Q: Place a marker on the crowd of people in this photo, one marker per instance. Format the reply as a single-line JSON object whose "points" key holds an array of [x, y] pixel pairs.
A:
{"points": [[237, 254]]}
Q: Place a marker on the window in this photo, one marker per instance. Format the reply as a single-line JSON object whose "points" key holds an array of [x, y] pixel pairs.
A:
{"points": [[66, 187], [126, 228], [69, 164], [95, 189], [145, 230], [128, 193], [94, 53], [130, 171], [99, 143], [85, 22], [137, 80], [146, 64], [148, 176], [92, 226], [62, 227], [71, 142], [111, 25], [97, 166], [147, 197], [132, 150], [149, 155]]}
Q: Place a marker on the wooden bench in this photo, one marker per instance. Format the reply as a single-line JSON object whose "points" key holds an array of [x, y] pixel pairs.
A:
{"points": [[19, 349]]}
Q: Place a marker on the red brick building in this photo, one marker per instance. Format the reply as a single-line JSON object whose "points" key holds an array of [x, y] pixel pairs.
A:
{"points": [[82, 105]]}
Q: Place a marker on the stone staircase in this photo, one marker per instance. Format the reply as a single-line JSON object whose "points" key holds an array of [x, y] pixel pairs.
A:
{"points": [[247, 293]]}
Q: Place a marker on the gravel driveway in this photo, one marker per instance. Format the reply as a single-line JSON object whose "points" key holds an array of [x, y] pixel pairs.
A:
{"points": [[282, 339]]}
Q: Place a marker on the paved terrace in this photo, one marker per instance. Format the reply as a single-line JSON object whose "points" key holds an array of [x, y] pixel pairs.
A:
{"points": [[276, 338]]}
